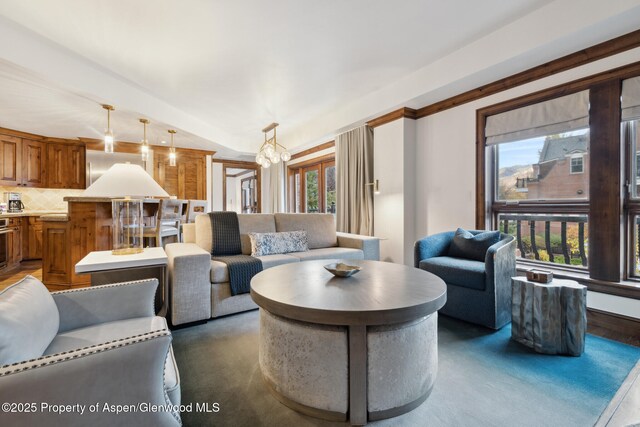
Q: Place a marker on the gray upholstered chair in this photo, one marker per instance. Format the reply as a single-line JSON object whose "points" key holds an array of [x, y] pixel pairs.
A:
{"points": [[477, 291], [98, 345]]}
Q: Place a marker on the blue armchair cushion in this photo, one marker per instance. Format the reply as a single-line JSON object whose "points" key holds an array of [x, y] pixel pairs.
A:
{"points": [[469, 246], [457, 271]]}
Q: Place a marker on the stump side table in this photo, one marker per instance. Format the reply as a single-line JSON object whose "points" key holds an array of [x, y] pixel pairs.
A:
{"points": [[551, 317]]}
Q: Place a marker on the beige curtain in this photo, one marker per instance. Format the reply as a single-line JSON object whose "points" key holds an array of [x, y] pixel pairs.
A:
{"points": [[275, 201], [354, 170]]}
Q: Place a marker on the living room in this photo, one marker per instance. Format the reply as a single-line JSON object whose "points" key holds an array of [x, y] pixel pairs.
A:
{"points": [[524, 123]]}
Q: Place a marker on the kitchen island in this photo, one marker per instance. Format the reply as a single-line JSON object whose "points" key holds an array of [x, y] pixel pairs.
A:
{"points": [[86, 227]]}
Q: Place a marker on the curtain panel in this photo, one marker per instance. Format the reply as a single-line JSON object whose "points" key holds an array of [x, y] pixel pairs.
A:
{"points": [[275, 201], [354, 170]]}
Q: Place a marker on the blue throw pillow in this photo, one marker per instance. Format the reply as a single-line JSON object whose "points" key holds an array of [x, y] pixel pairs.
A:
{"points": [[466, 245]]}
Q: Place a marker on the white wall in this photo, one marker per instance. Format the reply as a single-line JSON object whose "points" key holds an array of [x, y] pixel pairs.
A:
{"points": [[445, 165], [217, 181], [394, 207]]}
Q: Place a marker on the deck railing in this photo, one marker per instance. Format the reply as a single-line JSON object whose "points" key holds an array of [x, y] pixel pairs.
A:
{"points": [[531, 221]]}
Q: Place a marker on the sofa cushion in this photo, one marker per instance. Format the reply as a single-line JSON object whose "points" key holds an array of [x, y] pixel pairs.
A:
{"points": [[278, 243], [254, 223], [457, 271], [104, 332], [29, 321], [320, 228], [329, 253], [220, 273], [470, 246]]}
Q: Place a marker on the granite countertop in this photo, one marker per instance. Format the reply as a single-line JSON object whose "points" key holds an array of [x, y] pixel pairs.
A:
{"points": [[102, 199], [29, 212], [62, 217]]}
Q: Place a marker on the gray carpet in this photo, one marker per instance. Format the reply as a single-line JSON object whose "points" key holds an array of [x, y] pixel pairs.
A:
{"points": [[218, 362]]}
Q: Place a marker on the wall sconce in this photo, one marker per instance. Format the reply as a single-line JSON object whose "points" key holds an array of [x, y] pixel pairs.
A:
{"points": [[376, 186]]}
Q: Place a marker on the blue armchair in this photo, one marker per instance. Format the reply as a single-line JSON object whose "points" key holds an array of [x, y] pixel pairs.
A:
{"points": [[477, 292]]}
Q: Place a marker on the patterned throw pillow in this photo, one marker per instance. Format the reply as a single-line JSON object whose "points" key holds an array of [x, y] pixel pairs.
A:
{"points": [[278, 243]]}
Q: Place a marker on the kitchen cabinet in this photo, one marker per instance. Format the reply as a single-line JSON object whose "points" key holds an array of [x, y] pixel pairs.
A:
{"points": [[57, 258], [14, 242], [66, 165], [10, 164], [33, 156], [22, 162], [186, 180], [32, 238]]}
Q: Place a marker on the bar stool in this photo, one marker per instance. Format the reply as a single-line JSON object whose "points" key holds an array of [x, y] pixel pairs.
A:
{"points": [[167, 222]]}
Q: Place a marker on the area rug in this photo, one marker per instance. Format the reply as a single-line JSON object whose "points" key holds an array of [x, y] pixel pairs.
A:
{"points": [[484, 379]]}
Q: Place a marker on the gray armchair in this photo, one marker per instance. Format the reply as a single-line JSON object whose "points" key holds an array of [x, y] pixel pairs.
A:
{"points": [[105, 347], [477, 291]]}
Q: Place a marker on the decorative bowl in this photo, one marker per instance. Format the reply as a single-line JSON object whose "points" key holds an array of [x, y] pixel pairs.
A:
{"points": [[342, 270]]}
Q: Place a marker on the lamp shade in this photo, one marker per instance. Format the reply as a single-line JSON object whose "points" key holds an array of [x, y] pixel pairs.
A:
{"points": [[125, 179]]}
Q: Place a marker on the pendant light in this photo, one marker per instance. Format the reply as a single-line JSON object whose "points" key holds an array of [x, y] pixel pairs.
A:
{"points": [[145, 144], [269, 152], [172, 149], [108, 133]]}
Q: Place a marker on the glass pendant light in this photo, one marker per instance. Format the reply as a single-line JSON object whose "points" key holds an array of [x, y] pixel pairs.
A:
{"points": [[172, 149], [145, 144], [268, 153], [108, 133]]}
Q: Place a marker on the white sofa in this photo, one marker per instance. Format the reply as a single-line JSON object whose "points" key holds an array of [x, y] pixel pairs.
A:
{"points": [[199, 287]]}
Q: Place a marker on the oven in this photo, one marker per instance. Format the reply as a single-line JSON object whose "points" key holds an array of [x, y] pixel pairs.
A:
{"points": [[4, 229]]}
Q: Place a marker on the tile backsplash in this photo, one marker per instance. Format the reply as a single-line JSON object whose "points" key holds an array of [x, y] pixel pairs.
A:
{"points": [[42, 199]]}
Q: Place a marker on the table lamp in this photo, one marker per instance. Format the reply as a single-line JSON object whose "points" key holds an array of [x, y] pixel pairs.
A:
{"points": [[127, 185]]}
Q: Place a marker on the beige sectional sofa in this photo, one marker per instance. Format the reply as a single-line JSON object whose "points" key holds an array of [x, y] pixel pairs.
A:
{"points": [[199, 287]]}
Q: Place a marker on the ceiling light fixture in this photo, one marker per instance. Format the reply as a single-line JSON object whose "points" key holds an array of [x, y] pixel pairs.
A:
{"points": [[172, 149], [145, 144], [268, 152], [108, 133]]}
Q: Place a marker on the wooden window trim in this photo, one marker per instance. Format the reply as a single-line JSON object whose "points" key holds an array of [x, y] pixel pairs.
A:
{"points": [[321, 162], [609, 270]]}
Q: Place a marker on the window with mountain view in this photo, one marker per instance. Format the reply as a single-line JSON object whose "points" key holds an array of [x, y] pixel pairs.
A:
{"points": [[541, 161], [555, 179], [544, 168]]}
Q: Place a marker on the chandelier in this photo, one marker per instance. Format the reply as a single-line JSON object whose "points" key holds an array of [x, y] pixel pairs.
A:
{"points": [[268, 152]]}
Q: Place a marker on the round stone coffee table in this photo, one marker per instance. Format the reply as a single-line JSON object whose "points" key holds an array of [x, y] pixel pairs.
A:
{"points": [[362, 347]]}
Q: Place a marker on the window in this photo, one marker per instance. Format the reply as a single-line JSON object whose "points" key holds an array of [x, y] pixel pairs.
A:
{"points": [[577, 164], [537, 165], [313, 186]]}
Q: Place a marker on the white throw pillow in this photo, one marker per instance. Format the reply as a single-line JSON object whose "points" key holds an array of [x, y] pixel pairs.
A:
{"points": [[278, 243], [29, 321]]}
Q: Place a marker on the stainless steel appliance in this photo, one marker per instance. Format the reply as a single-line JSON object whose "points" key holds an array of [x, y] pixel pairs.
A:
{"points": [[4, 229], [14, 202]]}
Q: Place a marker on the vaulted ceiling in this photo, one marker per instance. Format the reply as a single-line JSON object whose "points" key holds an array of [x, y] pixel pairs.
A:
{"points": [[220, 71]]}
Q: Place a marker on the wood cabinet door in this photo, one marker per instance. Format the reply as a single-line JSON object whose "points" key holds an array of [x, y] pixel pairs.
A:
{"points": [[66, 166], [33, 156], [17, 245], [32, 239], [10, 160], [56, 265], [56, 162], [76, 173]]}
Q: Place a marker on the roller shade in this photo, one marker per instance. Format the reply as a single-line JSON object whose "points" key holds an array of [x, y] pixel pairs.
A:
{"points": [[563, 114], [631, 99]]}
